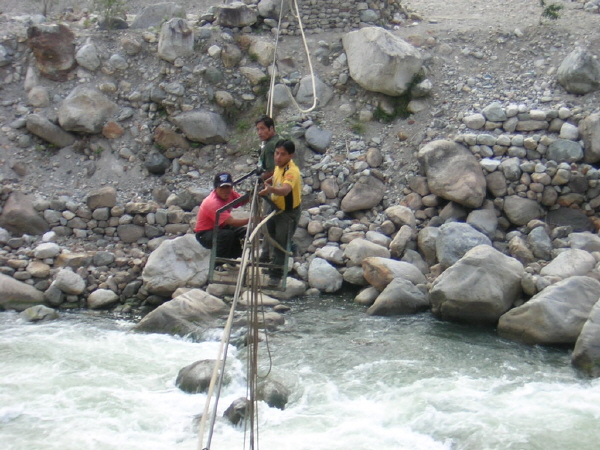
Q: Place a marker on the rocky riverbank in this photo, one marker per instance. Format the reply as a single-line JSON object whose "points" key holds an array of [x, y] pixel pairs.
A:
{"points": [[506, 190]]}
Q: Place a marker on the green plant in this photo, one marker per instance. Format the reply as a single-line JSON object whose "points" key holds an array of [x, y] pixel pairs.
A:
{"points": [[109, 9], [551, 11], [399, 104], [358, 128]]}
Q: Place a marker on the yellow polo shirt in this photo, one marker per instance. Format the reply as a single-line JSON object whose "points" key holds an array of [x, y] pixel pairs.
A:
{"points": [[289, 174]]}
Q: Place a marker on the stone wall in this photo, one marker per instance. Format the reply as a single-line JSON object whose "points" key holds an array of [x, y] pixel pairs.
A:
{"points": [[343, 15]]}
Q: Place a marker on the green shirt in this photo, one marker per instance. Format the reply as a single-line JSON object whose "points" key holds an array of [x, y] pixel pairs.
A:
{"points": [[266, 158]]}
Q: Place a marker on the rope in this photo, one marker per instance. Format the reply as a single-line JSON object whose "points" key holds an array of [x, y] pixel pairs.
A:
{"points": [[296, 14]]}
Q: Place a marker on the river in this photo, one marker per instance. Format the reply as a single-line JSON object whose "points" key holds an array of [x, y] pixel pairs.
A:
{"points": [[357, 382]]}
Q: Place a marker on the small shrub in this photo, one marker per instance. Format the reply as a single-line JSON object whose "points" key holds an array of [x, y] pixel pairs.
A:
{"points": [[109, 9], [358, 128], [551, 11]]}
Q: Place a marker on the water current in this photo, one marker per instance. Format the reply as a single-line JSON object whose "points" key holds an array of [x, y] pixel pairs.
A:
{"points": [[356, 382]]}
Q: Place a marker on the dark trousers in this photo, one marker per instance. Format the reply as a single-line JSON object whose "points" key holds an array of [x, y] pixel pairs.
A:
{"points": [[281, 227], [229, 241]]}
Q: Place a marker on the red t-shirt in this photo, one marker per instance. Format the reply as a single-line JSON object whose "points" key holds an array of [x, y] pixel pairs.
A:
{"points": [[208, 211]]}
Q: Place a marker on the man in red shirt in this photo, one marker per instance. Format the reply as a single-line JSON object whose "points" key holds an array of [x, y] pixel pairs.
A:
{"points": [[231, 230]]}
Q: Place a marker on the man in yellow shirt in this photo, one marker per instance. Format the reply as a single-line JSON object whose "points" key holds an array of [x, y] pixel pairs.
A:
{"points": [[285, 188]]}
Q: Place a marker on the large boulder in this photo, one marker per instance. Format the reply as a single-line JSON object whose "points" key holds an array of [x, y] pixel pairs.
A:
{"points": [[381, 62], [176, 263], [188, 314], [18, 296], [155, 15], [400, 297], [379, 272], [586, 355], [453, 173], [579, 73], [366, 193], [479, 288], [202, 126], [176, 40], [53, 46], [554, 316], [85, 110], [20, 217], [454, 240]]}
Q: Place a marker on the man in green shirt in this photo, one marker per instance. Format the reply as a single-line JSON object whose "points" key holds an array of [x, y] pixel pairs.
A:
{"points": [[265, 128]]}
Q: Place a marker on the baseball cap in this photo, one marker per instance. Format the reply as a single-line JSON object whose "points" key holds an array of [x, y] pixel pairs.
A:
{"points": [[223, 179]]}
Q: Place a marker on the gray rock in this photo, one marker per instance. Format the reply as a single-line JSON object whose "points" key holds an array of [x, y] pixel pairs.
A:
{"points": [[563, 150], [331, 253], [235, 15], [521, 210], [455, 240], [272, 8], [103, 259], [380, 61], [540, 243], [570, 263], [484, 221], [587, 241], [38, 97], [273, 393], [18, 296], [453, 173], [359, 249], [69, 282], [586, 355], [401, 215], [367, 296], [85, 110], [188, 314], [87, 56], [323, 276], [104, 197], [102, 298], [318, 139], [478, 288], [43, 128], [400, 297], [494, 112], [574, 218], [554, 316], [155, 15], [130, 233], [19, 216], [39, 313], [282, 97], [579, 73], [426, 241], [401, 240], [236, 412], [47, 250], [195, 377], [355, 275], [589, 129], [176, 40], [365, 194], [156, 163], [202, 126], [305, 96], [176, 263]]}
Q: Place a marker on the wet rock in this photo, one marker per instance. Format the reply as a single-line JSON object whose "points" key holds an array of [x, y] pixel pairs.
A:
{"points": [[39, 313], [554, 316], [586, 355], [323, 276], [195, 378], [400, 297], [102, 298], [379, 272], [18, 296], [236, 412]]}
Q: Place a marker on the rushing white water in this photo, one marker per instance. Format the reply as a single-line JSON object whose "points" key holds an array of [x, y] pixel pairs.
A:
{"points": [[357, 382]]}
